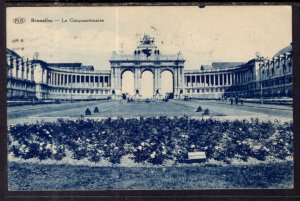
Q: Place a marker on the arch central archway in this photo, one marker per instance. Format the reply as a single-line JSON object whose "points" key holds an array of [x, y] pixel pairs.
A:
{"points": [[167, 83], [147, 82], [128, 83]]}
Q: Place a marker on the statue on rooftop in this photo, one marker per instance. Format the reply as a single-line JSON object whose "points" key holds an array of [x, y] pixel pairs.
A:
{"points": [[147, 40]]}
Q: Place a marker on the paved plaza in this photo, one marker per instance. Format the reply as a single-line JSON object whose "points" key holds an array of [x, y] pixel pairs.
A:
{"points": [[219, 110]]}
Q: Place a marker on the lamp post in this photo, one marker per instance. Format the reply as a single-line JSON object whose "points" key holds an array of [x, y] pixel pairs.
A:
{"points": [[261, 61], [261, 88]]}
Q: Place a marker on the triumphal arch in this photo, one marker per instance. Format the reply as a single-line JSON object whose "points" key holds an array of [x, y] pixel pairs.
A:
{"points": [[147, 57]]}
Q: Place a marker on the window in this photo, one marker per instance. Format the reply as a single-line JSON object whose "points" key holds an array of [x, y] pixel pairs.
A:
{"points": [[198, 90], [188, 91]]}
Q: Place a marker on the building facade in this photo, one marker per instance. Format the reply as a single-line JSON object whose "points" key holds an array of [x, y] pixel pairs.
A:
{"points": [[73, 81]]}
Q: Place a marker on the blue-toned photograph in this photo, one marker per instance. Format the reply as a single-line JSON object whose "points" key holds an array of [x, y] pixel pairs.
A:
{"points": [[149, 98]]}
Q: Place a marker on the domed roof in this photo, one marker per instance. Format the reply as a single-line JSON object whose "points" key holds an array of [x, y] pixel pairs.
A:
{"points": [[284, 50]]}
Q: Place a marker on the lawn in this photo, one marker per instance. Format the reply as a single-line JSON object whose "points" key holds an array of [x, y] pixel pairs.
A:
{"points": [[30, 176]]}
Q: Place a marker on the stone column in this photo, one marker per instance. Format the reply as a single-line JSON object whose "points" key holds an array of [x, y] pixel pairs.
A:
{"points": [[119, 79], [13, 64], [222, 78], [62, 77], [66, 79], [32, 72], [234, 78], [43, 76], [17, 68], [113, 77], [175, 81], [228, 78], [8, 63], [159, 79], [26, 70], [182, 79], [193, 83], [139, 79], [46, 76], [22, 70], [155, 81], [208, 80], [59, 79]]}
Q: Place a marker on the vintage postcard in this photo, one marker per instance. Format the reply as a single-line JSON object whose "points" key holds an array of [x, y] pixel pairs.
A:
{"points": [[149, 98]]}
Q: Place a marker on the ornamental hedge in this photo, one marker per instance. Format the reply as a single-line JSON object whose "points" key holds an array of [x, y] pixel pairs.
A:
{"points": [[154, 140]]}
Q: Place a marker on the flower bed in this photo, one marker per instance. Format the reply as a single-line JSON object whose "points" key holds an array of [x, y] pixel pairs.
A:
{"points": [[153, 140]]}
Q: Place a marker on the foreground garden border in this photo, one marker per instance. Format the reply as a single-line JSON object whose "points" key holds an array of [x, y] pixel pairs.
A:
{"points": [[154, 140]]}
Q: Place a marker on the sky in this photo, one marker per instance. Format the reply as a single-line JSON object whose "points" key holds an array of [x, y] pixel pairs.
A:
{"points": [[215, 33]]}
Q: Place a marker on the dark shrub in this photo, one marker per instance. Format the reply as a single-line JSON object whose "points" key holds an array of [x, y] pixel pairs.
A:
{"points": [[88, 112], [206, 112], [199, 109], [96, 110]]}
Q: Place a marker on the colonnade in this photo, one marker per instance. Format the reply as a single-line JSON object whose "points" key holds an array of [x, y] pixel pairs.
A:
{"points": [[19, 69], [220, 79], [63, 79]]}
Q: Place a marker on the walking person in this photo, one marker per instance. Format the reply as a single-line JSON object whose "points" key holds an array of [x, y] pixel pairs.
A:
{"points": [[236, 100]]}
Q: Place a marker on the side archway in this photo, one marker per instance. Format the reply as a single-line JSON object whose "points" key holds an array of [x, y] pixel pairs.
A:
{"points": [[167, 83], [127, 84]]}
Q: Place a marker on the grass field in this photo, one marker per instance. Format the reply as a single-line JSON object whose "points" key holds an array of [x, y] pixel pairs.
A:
{"points": [[29, 176]]}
